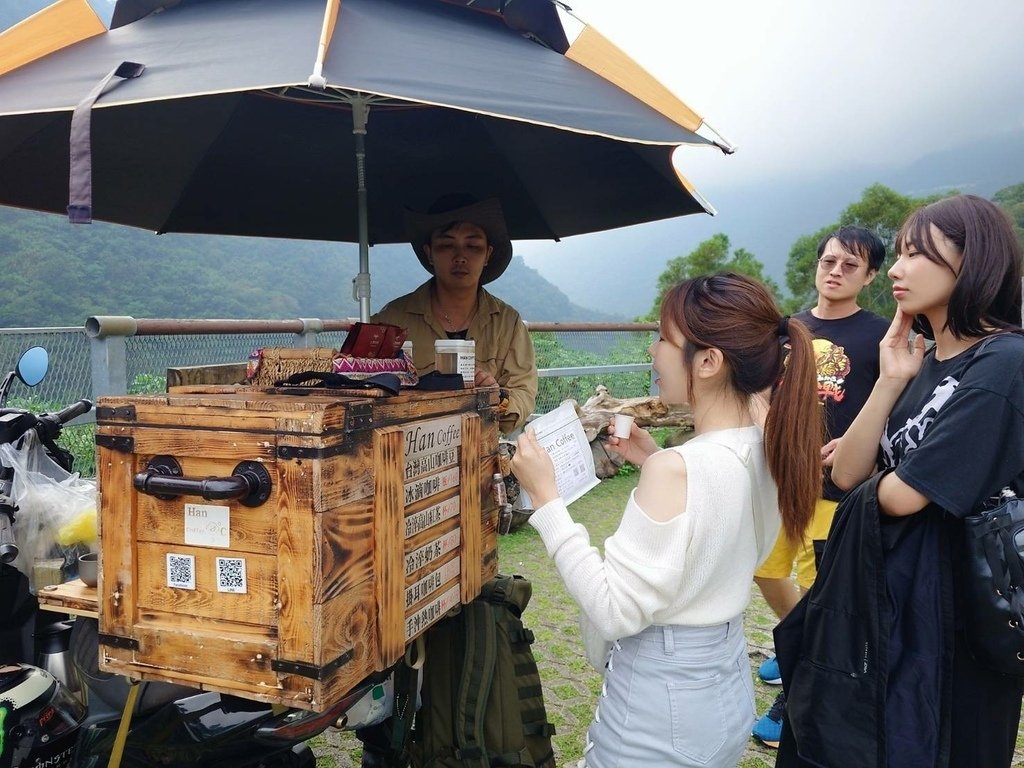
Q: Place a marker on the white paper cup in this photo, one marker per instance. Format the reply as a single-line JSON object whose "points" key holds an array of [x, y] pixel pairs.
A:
{"points": [[623, 423]]}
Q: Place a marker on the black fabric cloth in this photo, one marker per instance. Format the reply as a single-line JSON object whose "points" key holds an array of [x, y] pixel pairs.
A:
{"points": [[389, 382], [832, 648], [440, 382], [847, 359], [956, 435]]}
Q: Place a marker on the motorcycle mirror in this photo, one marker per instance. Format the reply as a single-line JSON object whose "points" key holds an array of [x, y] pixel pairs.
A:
{"points": [[32, 365]]}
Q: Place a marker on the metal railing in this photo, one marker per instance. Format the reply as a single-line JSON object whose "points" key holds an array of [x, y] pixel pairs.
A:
{"points": [[124, 355]]}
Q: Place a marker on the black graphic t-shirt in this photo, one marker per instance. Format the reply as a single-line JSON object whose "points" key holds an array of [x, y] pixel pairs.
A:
{"points": [[847, 359], [957, 432]]}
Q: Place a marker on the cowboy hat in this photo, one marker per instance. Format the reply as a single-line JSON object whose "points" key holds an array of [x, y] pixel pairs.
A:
{"points": [[449, 209]]}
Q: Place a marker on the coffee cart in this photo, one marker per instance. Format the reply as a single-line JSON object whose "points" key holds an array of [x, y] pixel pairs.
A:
{"points": [[284, 544]]}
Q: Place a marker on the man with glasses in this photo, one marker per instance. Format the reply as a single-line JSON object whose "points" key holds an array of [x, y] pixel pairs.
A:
{"points": [[846, 347]]}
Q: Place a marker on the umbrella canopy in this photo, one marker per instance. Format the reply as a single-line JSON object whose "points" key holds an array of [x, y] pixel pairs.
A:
{"points": [[223, 132]]}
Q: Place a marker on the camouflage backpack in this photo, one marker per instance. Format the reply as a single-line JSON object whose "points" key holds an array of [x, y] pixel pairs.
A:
{"points": [[482, 701]]}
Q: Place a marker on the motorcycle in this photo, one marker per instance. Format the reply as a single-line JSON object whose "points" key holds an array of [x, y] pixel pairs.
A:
{"points": [[58, 709]]}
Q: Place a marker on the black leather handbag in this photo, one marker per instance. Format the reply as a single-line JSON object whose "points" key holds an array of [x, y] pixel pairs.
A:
{"points": [[994, 585]]}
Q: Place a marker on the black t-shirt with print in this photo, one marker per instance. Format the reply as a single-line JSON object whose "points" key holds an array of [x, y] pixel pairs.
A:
{"points": [[956, 434], [847, 360]]}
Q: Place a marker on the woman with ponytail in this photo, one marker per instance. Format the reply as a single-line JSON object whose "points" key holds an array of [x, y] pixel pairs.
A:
{"points": [[670, 591]]}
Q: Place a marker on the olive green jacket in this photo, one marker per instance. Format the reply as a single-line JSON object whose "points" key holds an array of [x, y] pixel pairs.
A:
{"points": [[503, 345]]}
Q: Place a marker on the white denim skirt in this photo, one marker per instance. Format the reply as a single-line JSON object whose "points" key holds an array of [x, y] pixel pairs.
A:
{"points": [[674, 696]]}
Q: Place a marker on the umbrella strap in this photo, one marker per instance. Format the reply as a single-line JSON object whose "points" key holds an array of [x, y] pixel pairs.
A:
{"points": [[80, 182]]}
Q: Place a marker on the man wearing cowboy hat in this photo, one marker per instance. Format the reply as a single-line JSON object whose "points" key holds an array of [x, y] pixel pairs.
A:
{"points": [[464, 243]]}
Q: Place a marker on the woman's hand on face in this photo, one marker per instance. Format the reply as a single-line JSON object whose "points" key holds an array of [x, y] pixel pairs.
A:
{"points": [[636, 448], [897, 359], [533, 469]]}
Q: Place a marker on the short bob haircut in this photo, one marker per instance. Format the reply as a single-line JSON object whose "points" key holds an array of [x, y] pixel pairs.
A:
{"points": [[987, 294], [860, 242]]}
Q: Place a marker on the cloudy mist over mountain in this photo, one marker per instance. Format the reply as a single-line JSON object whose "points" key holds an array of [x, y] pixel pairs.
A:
{"points": [[764, 217]]}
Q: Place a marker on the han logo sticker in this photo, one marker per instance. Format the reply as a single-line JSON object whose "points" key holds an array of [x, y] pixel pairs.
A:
{"points": [[208, 525]]}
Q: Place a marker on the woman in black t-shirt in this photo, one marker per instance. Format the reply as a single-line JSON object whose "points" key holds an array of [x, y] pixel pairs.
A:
{"points": [[949, 425]]}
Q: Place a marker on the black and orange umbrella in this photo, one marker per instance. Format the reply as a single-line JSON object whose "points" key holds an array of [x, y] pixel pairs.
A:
{"points": [[321, 119]]}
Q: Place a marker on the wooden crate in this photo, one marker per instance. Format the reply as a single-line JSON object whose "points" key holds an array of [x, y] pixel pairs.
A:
{"points": [[377, 520]]}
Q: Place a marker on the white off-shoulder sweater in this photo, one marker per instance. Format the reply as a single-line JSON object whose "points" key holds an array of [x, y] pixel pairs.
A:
{"points": [[693, 570]]}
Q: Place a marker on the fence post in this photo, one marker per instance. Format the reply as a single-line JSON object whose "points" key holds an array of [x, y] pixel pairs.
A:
{"points": [[108, 356], [311, 326]]}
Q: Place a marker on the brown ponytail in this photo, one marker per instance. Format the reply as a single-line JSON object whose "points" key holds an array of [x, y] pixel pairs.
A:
{"points": [[765, 351], [793, 434]]}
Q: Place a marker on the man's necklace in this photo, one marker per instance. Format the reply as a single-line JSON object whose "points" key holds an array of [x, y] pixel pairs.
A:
{"points": [[450, 324]]}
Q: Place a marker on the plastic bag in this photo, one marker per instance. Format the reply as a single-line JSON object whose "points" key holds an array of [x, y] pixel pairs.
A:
{"points": [[56, 517]]}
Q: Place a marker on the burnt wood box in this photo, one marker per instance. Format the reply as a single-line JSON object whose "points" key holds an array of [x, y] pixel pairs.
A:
{"points": [[282, 546]]}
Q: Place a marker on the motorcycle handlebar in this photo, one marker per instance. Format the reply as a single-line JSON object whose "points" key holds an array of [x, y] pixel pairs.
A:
{"points": [[50, 424], [73, 411]]}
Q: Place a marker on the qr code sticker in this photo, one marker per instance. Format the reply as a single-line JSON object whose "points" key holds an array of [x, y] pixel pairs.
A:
{"points": [[231, 575], [181, 571]]}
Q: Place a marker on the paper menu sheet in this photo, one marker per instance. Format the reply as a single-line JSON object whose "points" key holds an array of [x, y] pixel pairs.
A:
{"points": [[561, 434]]}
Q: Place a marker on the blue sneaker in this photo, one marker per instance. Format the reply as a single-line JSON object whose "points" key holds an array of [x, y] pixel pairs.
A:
{"points": [[769, 671], [768, 730]]}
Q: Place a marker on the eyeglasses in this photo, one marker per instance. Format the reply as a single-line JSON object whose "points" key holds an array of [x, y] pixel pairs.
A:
{"points": [[828, 263]]}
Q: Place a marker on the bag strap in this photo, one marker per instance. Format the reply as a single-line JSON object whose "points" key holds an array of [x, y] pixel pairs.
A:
{"points": [[993, 531], [475, 683], [398, 726], [513, 591]]}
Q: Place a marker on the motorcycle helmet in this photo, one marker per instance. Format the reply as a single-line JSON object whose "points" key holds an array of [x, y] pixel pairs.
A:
{"points": [[39, 719]]}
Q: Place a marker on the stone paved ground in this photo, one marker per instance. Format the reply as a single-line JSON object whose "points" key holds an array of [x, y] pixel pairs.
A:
{"points": [[570, 684]]}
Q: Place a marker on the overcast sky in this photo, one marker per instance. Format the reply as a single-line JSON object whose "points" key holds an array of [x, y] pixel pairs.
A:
{"points": [[867, 82], [806, 86]]}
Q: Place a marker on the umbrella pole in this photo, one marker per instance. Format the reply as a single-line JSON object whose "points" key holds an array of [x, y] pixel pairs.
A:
{"points": [[361, 283]]}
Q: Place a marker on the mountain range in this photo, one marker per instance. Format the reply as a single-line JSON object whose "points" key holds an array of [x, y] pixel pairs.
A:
{"points": [[61, 274]]}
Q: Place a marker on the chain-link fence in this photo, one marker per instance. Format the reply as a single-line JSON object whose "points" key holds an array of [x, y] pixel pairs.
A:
{"points": [[572, 360], [68, 379], [573, 363]]}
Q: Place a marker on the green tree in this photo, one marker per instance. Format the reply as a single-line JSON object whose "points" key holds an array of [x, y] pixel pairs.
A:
{"points": [[1011, 200], [879, 209], [712, 255]]}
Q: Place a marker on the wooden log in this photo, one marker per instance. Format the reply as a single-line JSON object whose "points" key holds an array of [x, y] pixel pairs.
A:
{"points": [[597, 411], [225, 373]]}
